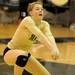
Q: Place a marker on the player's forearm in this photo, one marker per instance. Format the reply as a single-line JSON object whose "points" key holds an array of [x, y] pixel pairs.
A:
{"points": [[50, 44], [44, 40], [55, 47], [51, 39]]}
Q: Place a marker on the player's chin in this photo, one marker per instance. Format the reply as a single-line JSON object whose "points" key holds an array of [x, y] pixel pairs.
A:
{"points": [[40, 16]]}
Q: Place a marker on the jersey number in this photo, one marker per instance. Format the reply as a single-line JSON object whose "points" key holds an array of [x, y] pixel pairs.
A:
{"points": [[33, 37]]}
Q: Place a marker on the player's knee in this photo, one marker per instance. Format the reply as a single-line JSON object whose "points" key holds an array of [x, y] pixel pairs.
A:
{"points": [[22, 60], [9, 57], [18, 57]]}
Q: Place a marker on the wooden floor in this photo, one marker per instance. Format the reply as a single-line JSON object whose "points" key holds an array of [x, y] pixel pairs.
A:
{"points": [[67, 53], [59, 31], [67, 49]]}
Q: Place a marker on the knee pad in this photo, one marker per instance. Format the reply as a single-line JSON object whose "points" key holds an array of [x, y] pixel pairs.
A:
{"points": [[22, 60]]}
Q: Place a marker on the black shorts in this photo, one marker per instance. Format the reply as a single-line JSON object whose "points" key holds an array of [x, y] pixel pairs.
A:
{"points": [[6, 50]]}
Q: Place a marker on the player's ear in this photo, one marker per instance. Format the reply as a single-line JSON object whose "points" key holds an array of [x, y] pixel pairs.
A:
{"points": [[30, 13]]}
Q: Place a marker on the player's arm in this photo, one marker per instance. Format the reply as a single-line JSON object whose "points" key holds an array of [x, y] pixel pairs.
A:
{"points": [[28, 22], [51, 38]]}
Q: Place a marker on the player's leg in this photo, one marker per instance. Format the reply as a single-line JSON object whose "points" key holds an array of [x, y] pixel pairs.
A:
{"points": [[25, 61], [35, 67], [18, 70]]}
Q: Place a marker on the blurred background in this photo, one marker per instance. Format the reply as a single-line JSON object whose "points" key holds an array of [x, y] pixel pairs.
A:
{"points": [[62, 25]]}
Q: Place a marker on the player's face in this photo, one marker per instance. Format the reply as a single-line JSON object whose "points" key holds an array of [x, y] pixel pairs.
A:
{"points": [[37, 11]]}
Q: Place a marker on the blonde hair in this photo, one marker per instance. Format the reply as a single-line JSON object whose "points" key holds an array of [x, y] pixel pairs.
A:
{"points": [[31, 5]]}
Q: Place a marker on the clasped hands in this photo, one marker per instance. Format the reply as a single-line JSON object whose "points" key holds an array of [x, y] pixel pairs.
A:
{"points": [[55, 54]]}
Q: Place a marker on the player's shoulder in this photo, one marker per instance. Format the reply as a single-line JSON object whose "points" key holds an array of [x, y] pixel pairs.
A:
{"points": [[28, 18], [45, 22]]}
